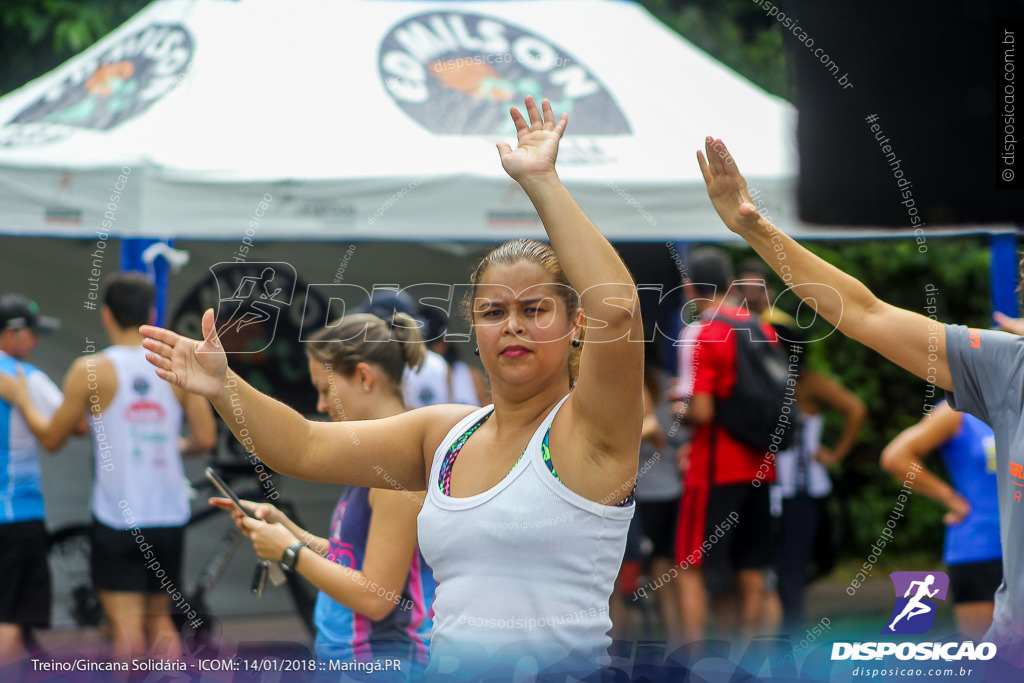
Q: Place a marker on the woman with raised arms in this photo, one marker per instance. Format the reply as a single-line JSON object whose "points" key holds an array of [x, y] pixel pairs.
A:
{"points": [[982, 371], [528, 500]]}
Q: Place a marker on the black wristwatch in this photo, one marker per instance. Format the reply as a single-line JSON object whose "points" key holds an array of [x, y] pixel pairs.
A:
{"points": [[291, 556]]}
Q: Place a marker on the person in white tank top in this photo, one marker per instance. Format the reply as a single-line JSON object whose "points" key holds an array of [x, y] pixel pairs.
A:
{"points": [[139, 487], [526, 527], [802, 477]]}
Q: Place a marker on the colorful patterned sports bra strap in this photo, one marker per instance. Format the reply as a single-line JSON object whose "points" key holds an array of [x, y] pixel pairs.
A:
{"points": [[444, 479], [545, 452]]}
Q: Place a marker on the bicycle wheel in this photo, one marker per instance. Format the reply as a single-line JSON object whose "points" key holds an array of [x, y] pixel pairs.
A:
{"points": [[75, 602]]}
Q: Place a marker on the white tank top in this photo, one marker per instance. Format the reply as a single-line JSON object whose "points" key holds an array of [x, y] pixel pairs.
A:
{"points": [[140, 480], [798, 462], [428, 385], [526, 567]]}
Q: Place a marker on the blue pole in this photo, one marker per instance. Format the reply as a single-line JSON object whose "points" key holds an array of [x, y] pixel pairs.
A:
{"points": [[1004, 273], [131, 260]]}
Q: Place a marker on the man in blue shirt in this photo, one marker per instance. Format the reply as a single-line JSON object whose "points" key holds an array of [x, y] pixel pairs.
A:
{"points": [[25, 589]]}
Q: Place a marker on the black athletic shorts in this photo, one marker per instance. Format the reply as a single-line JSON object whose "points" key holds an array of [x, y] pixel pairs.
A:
{"points": [[975, 581], [148, 561], [725, 529], [24, 574], [658, 521]]}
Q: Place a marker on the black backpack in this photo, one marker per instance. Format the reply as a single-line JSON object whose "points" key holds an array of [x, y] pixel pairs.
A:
{"points": [[752, 414]]}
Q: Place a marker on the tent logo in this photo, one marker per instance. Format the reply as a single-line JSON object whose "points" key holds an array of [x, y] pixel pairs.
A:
{"points": [[915, 611], [457, 73], [102, 92]]}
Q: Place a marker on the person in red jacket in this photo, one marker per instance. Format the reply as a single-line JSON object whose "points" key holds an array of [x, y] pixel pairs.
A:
{"points": [[724, 482]]}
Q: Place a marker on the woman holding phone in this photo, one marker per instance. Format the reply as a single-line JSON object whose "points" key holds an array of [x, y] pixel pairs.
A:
{"points": [[375, 587], [528, 500]]}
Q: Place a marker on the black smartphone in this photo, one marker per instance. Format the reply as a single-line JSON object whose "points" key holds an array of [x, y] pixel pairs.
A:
{"points": [[259, 577], [212, 475]]}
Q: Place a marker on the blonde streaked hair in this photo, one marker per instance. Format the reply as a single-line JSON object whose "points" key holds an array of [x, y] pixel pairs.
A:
{"points": [[365, 338]]}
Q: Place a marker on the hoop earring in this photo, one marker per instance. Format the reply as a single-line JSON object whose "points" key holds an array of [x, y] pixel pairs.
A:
{"points": [[577, 343]]}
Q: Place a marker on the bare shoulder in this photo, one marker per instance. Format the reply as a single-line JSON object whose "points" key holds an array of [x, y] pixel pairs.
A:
{"points": [[89, 376], [92, 370], [431, 424], [437, 421]]}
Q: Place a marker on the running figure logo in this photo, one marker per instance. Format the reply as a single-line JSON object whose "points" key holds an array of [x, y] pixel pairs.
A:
{"points": [[915, 611], [248, 317]]}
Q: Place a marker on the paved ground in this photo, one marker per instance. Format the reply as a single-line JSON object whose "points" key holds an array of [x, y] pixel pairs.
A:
{"points": [[871, 606], [237, 634]]}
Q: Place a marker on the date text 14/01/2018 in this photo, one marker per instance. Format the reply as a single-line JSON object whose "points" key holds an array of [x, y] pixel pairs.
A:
{"points": [[270, 664]]}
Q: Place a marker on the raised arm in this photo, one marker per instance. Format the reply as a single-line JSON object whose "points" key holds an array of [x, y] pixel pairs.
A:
{"points": [[608, 396], [362, 453], [907, 451], [910, 340]]}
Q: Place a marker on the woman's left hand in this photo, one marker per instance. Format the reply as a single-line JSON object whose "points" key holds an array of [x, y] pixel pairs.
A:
{"points": [[826, 456], [538, 142], [269, 540]]}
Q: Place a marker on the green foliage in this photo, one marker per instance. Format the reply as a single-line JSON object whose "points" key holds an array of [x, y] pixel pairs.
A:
{"points": [[737, 32], [918, 523], [38, 35], [72, 25]]}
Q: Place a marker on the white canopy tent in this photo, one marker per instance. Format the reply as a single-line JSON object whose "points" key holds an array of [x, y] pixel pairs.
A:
{"points": [[327, 119]]}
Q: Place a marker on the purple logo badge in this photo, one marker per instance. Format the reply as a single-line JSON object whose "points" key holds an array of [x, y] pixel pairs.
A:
{"points": [[917, 596]]}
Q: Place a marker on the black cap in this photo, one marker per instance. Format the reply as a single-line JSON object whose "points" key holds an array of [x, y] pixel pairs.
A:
{"points": [[384, 303], [17, 312], [435, 323]]}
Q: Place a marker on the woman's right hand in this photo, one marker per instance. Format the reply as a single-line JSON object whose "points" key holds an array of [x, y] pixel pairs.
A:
{"points": [[196, 366], [538, 142], [265, 511]]}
